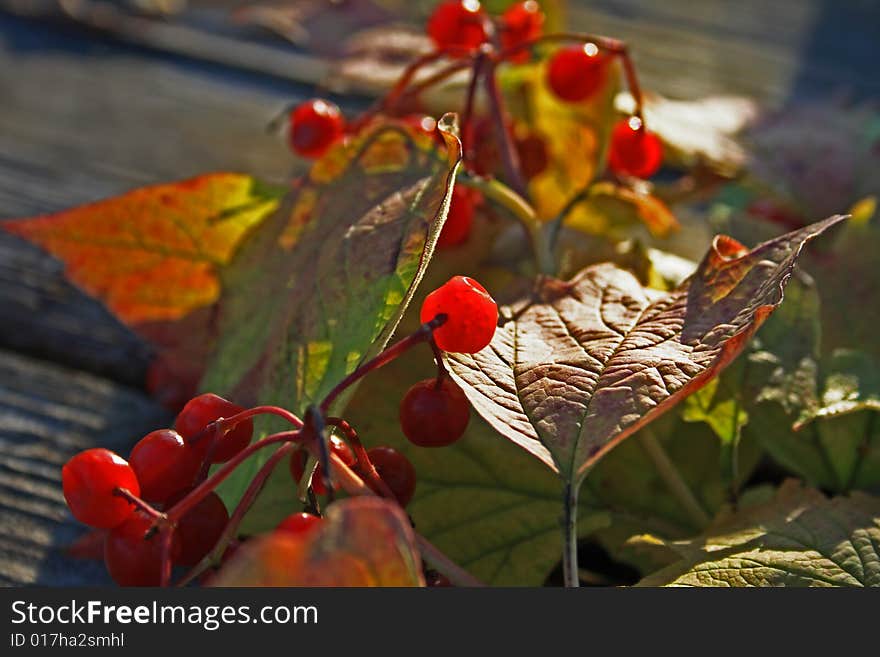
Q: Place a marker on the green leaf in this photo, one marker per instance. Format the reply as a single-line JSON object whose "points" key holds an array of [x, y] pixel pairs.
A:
{"points": [[323, 285], [484, 503], [836, 439], [799, 538]]}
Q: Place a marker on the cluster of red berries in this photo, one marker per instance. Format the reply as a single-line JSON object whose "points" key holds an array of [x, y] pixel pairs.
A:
{"points": [[126, 498], [162, 468], [574, 74]]}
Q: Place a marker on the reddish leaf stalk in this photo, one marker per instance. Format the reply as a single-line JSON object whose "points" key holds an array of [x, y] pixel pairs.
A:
{"points": [[425, 332]]}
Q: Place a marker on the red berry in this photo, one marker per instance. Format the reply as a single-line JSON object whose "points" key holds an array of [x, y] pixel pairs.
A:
{"points": [[458, 23], [200, 529], [533, 157], [299, 523], [89, 480], [471, 315], [199, 412], [315, 126], [577, 72], [133, 560], [165, 465], [396, 471], [633, 150], [521, 22], [432, 415], [299, 458], [460, 217]]}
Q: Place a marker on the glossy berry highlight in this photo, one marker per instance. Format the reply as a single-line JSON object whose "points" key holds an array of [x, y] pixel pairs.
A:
{"points": [[299, 524], [199, 530], [315, 126], [164, 464], [471, 315], [633, 150], [199, 412], [458, 24], [433, 415], [396, 471], [89, 480], [520, 23], [132, 559], [460, 218], [576, 73]]}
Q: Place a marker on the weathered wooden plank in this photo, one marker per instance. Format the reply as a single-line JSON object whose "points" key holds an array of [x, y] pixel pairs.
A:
{"points": [[47, 414]]}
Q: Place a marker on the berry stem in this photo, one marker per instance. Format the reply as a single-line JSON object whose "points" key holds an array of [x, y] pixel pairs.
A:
{"points": [[424, 333], [508, 152], [354, 485], [441, 366], [467, 114], [363, 459], [245, 503], [522, 211], [166, 535], [569, 536], [195, 496], [409, 73], [140, 504]]}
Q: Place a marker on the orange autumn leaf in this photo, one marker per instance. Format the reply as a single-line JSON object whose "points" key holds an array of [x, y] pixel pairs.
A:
{"points": [[154, 254], [364, 541]]}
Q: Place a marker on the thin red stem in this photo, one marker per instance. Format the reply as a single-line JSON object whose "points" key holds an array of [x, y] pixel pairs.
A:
{"points": [[424, 333], [166, 535], [467, 129], [245, 503], [508, 151], [139, 504], [363, 459], [195, 496]]}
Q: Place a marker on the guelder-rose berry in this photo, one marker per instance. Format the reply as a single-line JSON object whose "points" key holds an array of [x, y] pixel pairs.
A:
{"points": [[460, 217], [315, 126], [89, 480], [300, 457], [396, 471], [199, 412], [458, 23], [132, 559], [577, 72], [633, 150], [471, 315], [520, 23], [164, 464], [199, 530], [434, 415], [299, 524]]}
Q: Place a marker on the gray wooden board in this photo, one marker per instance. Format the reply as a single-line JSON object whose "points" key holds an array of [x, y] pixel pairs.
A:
{"points": [[84, 116], [47, 414]]}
